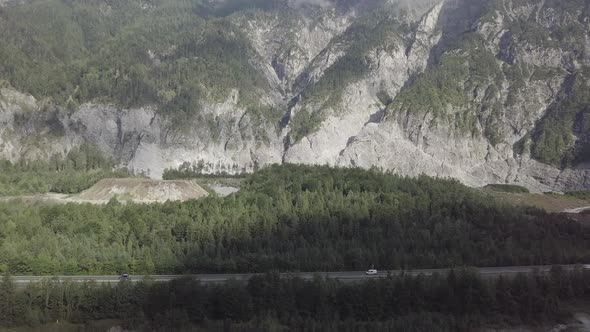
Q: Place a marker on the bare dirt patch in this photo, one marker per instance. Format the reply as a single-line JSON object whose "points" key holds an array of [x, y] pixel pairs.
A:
{"points": [[142, 190], [125, 190], [220, 185]]}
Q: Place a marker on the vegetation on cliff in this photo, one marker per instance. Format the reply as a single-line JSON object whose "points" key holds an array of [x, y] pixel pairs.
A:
{"points": [[169, 53], [180, 55]]}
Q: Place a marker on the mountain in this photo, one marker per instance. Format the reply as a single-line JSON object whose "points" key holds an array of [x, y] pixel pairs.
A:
{"points": [[485, 91]]}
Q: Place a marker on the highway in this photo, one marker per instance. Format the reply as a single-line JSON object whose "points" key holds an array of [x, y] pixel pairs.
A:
{"points": [[350, 276]]}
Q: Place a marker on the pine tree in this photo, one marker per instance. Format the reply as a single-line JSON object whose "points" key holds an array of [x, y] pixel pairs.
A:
{"points": [[8, 301]]}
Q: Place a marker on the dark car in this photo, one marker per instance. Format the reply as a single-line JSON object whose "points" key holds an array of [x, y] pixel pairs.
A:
{"points": [[124, 276]]}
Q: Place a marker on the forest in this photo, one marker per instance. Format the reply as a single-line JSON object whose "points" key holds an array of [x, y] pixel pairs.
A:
{"points": [[459, 301], [78, 170], [291, 218], [201, 169], [171, 53]]}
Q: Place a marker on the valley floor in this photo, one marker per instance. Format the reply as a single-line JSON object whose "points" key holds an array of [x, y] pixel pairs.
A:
{"points": [[548, 202], [223, 187]]}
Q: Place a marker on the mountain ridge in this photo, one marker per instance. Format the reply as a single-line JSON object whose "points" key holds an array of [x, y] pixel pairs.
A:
{"points": [[485, 92]]}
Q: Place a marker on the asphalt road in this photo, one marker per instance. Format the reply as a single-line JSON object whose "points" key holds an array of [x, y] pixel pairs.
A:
{"points": [[577, 210], [350, 276]]}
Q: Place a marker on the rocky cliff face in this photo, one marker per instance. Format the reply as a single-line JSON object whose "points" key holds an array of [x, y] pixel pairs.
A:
{"points": [[499, 110], [482, 91], [6, 3]]}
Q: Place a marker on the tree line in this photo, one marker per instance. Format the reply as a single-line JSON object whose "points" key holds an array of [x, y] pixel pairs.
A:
{"points": [[73, 172], [291, 218], [459, 301]]}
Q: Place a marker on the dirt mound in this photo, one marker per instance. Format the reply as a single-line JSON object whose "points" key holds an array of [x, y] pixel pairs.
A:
{"points": [[142, 191]]}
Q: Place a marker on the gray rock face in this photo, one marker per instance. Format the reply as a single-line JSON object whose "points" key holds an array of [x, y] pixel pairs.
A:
{"points": [[141, 139], [147, 142], [6, 3], [361, 105], [28, 131], [471, 136], [408, 143], [290, 45]]}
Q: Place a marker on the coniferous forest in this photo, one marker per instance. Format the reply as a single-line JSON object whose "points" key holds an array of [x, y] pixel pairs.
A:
{"points": [[291, 218], [295, 218], [504, 81], [460, 301]]}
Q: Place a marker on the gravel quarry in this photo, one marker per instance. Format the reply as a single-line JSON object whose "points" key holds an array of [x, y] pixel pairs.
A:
{"points": [[135, 190], [143, 190]]}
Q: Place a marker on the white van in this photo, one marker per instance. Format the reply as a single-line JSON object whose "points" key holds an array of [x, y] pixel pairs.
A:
{"points": [[371, 272]]}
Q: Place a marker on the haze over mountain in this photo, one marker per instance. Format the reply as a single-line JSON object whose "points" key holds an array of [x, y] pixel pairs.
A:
{"points": [[486, 91]]}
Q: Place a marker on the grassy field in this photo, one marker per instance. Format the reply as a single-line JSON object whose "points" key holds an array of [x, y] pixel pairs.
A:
{"points": [[549, 202]]}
